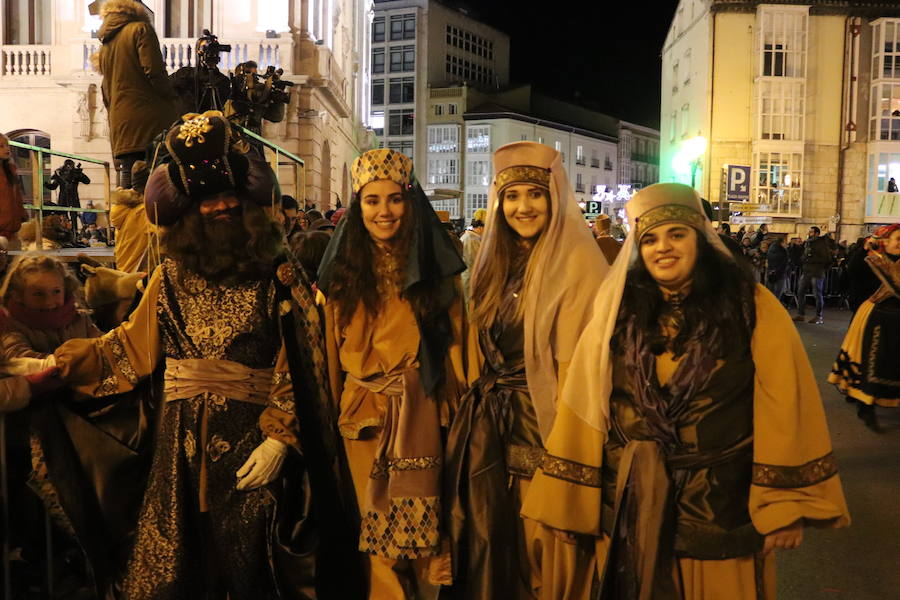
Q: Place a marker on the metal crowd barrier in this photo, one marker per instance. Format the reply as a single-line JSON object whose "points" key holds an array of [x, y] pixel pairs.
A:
{"points": [[37, 169]]}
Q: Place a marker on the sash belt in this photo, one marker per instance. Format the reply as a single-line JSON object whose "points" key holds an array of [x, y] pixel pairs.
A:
{"points": [[192, 377]]}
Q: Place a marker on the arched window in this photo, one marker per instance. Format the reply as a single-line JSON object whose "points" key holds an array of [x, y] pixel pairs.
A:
{"points": [[24, 163]]}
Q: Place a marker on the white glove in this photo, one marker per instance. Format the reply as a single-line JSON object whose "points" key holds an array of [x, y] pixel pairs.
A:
{"points": [[27, 366], [263, 465]]}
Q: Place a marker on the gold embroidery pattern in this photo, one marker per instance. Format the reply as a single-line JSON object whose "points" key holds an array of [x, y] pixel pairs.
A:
{"points": [[217, 447], [351, 431], [190, 444], [669, 212], [571, 471], [281, 378], [382, 466], [123, 363], [283, 402], [523, 461], [193, 129], [522, 174], [215, 316], [388, 273], [39, 482], [811, 473], [409, 529], [109, 383]]}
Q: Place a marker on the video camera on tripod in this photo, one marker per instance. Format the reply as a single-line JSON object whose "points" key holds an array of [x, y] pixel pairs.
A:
{"points": [[208, 50]]}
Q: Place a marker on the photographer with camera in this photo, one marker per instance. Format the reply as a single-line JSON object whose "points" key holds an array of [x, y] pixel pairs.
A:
{"points": [[255, 97], [67, 178], [136, 89]]}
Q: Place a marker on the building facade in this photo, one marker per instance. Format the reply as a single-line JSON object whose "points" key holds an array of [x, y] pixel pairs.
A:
{"points": [[50, 93], [420, 44], [460, 143], [638, 155], [802, 94]]}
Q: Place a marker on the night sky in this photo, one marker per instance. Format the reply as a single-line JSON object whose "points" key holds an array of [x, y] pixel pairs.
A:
{"points": [[604, 54]]}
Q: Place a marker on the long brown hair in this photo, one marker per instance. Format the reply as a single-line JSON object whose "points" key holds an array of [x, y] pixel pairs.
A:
{"points": [[355, 279], [503, 259]]}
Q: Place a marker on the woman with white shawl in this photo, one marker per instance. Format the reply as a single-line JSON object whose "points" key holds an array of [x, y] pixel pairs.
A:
{"points": [[533, 286], [690, 439]]}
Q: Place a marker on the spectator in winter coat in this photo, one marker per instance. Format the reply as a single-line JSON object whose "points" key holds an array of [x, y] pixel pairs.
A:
{"points": [[136, 91], [12, 210], [816, 261], [776, 267]]}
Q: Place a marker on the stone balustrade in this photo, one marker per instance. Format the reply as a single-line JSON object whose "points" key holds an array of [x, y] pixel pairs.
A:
{"points": [[25, 61]]}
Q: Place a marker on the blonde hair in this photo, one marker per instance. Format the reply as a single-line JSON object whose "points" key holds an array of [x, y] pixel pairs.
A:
{"points": [[28, 264]]}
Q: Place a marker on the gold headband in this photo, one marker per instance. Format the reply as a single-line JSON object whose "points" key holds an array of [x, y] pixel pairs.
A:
{"points": [[669, 213], [522, 174]]}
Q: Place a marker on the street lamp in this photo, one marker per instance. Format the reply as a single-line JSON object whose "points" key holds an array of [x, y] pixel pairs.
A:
{"points": [[687, 159]]}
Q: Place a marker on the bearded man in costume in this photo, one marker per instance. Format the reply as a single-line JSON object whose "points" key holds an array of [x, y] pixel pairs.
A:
{"points": [[240, 338]]}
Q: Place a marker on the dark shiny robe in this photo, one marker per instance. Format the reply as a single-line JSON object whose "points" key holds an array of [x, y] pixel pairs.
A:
{"points": [[494, 441]]}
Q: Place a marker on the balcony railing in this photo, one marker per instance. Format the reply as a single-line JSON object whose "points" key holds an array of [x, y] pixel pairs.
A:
{"points": [[579, 187], [580, 161], [595, 162], [179, 52], [27, 61], [455, 92]]}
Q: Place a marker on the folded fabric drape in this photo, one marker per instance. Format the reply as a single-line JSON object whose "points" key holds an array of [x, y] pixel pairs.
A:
{"points": [[187, 378], [401, 509]]}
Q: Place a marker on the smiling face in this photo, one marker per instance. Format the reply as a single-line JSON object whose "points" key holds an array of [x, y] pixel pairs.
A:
{"points": [[669, 252], [526, 209], [43, 290], [382, 207]]}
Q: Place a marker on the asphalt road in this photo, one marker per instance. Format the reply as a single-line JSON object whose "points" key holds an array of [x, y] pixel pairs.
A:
{"points": [[858, 562]]}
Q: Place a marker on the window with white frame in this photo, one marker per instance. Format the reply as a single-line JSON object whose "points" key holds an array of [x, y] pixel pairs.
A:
{"points": [[579, 155], [450, 205], [403, 58], [443, 171], [579, 183], [451, 108], [438, 110], [378, 29], [886, 49], [781, 41], [478, 138], [779, 181], [478, 172], [474, 201], [443, 138], [403, 27], [781, 109], [186, 18], [882, 204], [685, 116], [378, 60], [885, 112]]}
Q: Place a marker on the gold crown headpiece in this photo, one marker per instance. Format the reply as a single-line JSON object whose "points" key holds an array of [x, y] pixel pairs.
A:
{"points": [[376, 165]]}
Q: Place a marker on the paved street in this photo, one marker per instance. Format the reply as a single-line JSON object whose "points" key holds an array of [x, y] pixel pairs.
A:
{"points": [[857, 563]]}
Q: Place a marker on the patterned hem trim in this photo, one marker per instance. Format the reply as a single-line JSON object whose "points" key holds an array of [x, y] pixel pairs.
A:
{"points": [[109, 383], [39, 482], [123, 363], [811, 473], [571, 471], [523, 461], [382, 466], [351, 431], [408, 531]]}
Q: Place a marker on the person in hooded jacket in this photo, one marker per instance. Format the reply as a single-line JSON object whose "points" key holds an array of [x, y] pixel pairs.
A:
{"points": [[136, 91]]}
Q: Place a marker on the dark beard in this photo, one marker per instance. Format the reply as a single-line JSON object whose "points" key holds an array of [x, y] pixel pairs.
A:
{"points": [[222, 251]]}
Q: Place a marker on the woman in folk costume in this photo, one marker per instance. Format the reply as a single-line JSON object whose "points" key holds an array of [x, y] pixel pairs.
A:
{"points": [[867, 368], [533, 287], [394, 338], [693, 440]]}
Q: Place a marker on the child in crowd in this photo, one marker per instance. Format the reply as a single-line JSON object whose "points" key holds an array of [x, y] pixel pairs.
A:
{"points": [[42, 299]]}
